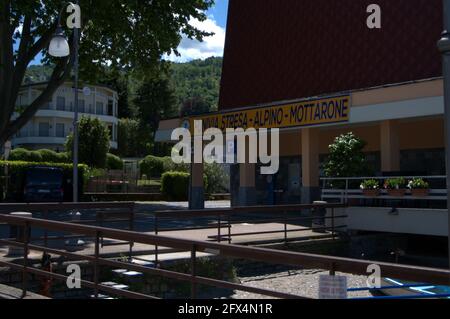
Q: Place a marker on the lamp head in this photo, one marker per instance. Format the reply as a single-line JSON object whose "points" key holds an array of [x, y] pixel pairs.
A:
{"points": [[59, 47]]}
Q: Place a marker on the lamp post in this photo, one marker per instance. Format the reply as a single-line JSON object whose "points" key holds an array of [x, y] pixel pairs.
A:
{"points": [[59, 47], [444, 48]]}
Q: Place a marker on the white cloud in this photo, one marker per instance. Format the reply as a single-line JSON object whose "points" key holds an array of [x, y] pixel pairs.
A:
{"points": [[193, 49]]}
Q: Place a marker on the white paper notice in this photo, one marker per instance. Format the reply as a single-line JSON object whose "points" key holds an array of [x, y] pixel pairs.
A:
{"points": [[333, 287]]}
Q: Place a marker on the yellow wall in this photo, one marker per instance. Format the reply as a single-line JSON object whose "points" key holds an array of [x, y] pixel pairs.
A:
{"points": [[413, 134]]}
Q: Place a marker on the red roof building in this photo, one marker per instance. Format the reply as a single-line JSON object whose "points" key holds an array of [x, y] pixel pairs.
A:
{"points": [[290, 49]]}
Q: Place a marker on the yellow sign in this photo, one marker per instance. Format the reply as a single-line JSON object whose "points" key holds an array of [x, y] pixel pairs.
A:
{"points": [[306, 113]]}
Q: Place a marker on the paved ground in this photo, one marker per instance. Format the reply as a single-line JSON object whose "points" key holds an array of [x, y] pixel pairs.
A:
{"points": [[145, 224], [14, 293], [303, 283]]}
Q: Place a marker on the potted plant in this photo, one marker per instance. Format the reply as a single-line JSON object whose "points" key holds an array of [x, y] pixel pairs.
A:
{"points": [[370, 188], [419, 188], [396, 187]]}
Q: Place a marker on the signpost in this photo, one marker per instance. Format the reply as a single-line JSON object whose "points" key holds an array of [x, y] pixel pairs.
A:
{"points": [[444, 47]]}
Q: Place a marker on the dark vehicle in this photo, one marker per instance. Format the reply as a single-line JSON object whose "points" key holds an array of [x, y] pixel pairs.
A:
{"points": [[44, 184]]}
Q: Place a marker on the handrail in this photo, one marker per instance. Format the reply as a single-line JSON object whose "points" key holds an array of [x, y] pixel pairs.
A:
{"points": [[346, 265], [56, 206], [379, 178]]}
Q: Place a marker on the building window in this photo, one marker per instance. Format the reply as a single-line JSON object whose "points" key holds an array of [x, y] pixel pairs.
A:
{"points": [[99, 108], [110, 107], [44, 129], [81, 106], [60, 103], [60, 130]]}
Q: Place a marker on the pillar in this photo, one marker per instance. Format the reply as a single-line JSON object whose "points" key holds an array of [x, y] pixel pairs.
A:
{"points": [[390, 147], [310, 166], [197, 187], [197, 190], [247, 185]]}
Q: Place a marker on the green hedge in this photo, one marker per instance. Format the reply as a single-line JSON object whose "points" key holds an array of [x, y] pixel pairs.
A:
{"points": [[14, 174], [175, 186], [40, 156], [152, 166], [114, 162]]}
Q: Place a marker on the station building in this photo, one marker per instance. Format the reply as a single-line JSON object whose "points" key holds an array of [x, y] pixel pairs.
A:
{"points": [[319, 71]]}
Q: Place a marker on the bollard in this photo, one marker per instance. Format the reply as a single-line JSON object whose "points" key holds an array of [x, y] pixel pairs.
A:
{"points": [[17, 233], [319, 214]]}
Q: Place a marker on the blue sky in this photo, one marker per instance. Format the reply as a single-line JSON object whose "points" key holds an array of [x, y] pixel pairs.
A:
{"points": [[211, 46]]}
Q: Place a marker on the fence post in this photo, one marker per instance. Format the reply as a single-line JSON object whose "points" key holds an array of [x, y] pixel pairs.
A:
{"points": [[333, 269], [333, 224], [219, 228], [97, 253], [26, 240], [229, 230], [193, 272], [131, 229], [46, 230], [285, 228], [156, 246]]}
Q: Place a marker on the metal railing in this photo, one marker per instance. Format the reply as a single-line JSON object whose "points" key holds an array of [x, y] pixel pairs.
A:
{"points": [[99, 213], [226, 218], [333, 264], [349, 188]]}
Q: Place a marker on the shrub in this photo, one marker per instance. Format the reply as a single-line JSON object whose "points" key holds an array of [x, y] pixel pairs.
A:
{"points": [[169, 165], [113, 162], [93, 142], [346, 158], [44, 155], [152, 166], [217, 180], [19, 154], [175, 186], [50, 156]]}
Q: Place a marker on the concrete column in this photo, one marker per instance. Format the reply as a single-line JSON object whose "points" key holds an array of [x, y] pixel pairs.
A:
{"points": [[197, 187], [197, 191], [247, 185], [390, 146], [310, 165]]}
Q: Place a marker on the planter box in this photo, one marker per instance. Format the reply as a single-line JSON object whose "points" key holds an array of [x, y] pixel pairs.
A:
{"points": [[420, 192], [396, 192], [371, 192]]}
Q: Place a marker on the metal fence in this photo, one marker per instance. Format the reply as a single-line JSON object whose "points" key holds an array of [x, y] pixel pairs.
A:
{"points": [[300, 260], [348, 189]]}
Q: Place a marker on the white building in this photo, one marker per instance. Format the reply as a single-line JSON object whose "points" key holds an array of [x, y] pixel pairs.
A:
{"points": [[52, 124]]}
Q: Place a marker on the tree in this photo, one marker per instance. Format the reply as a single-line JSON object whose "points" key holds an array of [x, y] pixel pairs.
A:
{"points": [[195, 106], [132, 141], [154, 100], [120, 34], [94, 142], [346, 158]]}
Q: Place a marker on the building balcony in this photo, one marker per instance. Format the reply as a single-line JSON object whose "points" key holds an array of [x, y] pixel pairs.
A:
{"points": [[384, 212], [46, 140], [69, 115]]}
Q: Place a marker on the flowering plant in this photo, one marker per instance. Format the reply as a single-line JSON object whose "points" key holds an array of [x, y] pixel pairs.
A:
{"points": [[418, 183], [395, 183], [370, 184]]}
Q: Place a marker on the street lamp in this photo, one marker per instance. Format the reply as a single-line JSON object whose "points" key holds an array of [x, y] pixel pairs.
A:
{"points": [[59, 47], [444, 48]]}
